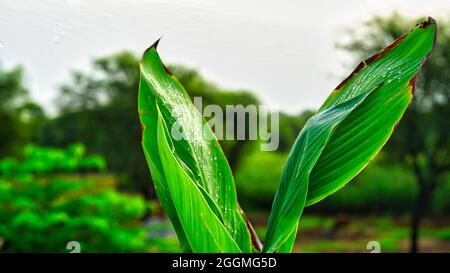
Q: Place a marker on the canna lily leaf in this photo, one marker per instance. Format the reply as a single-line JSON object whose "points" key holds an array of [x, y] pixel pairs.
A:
{"points": [[348, 131], [196, 161], [211, 235]]}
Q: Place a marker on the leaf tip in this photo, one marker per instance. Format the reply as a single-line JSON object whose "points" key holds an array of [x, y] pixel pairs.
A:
{"points": [[153, 46], [428, 22]]}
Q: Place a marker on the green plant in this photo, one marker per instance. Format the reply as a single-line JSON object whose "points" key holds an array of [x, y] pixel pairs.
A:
{"points": [[194, 182], [47, 199]]}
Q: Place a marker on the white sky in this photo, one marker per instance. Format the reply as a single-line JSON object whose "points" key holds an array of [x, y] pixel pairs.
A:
{"points": [[284, 51]]}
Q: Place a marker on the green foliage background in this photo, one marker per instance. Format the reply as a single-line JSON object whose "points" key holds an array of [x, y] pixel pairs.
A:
{"points": [[47, 200]]}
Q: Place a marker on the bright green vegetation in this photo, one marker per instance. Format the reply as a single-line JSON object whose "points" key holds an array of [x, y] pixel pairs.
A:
{"points": [[267, 181], [194, 182], [53, 196]]}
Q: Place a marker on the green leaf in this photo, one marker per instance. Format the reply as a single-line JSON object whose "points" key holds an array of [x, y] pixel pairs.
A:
{"points": [[348, 131], [196, 150], [204, 231], [291, 194]]}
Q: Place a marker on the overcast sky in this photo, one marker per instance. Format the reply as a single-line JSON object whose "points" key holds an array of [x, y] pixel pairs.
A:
{"points": [[284, 51]]}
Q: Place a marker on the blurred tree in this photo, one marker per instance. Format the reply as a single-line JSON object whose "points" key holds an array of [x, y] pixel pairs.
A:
{"points": [[422, 139], [13, 95], [290, 127], [12, 90], [99, 108], [32, 116]]}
